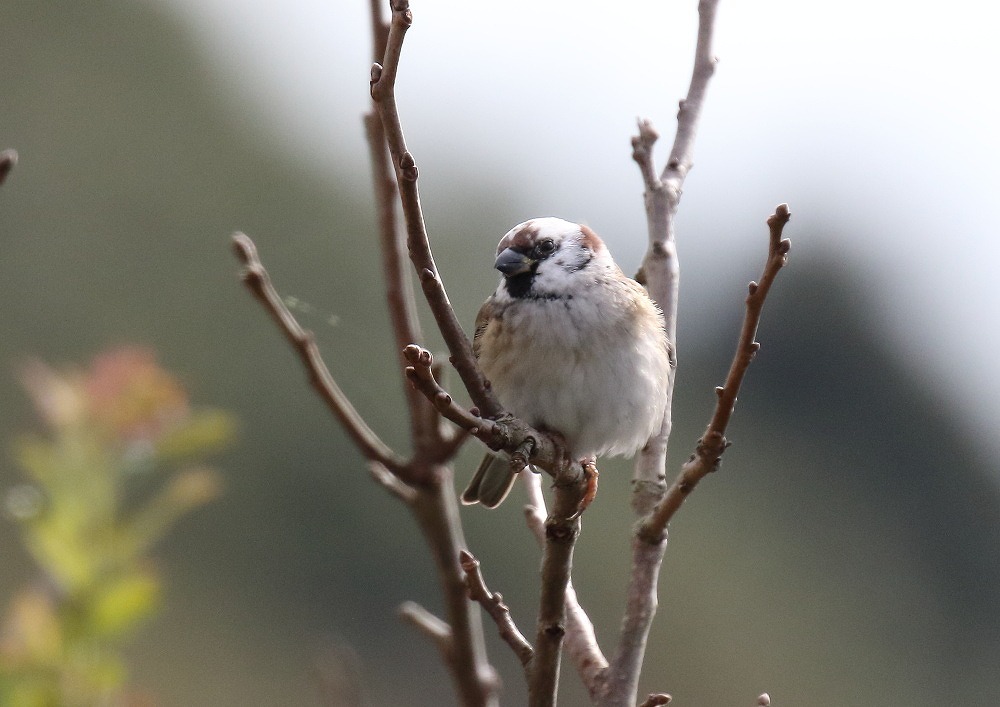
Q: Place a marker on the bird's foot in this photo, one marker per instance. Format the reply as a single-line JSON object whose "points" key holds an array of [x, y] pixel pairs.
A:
{"points": [[590, 475]]}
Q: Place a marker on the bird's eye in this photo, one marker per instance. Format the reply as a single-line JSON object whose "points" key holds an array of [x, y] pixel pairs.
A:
{"points": [[545, 247]]}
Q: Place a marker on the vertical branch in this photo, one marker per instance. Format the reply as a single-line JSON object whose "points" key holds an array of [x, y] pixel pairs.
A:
{"points": [[434, 505], [383, 91], [562, 527], [436, 511], [581, 640], [660, 272], [398, 285]]}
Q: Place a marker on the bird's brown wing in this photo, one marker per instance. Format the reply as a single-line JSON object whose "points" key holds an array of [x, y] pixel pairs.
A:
{"points": [[483, 320]]}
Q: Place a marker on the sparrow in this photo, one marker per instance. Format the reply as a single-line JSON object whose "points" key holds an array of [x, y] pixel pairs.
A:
{"points": [[570, 345]]}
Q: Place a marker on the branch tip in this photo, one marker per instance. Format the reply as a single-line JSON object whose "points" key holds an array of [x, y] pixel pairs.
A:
{"points": [[244, 248], [8, 160], [492, 603], [430, 625], [391, 483]]}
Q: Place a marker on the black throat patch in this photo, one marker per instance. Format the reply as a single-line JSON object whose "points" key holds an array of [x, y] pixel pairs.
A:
{"points": [[519, 286]]}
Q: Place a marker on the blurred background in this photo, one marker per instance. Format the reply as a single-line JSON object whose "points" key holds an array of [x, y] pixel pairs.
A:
{"points": [[847, 551]]}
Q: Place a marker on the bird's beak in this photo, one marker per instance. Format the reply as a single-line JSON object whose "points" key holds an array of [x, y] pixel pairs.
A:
{"points": [[511, 263]]}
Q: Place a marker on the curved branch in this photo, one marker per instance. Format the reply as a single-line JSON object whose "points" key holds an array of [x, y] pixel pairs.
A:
{"points": [[508, 433], [257, 280], [708, 454], [383, 91]]}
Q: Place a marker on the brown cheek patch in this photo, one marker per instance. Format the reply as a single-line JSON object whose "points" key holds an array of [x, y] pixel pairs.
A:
{"points": [[590, 239]]}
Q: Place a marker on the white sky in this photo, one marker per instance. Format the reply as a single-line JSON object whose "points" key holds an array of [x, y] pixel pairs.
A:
{"points": [[880, 113]]}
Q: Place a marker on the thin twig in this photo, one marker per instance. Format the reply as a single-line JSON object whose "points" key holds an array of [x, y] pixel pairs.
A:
{"points": [[400, 298], [431, 626], [257, 280], [506, 432], [383, 79], [713, 443], [682, 154], [493, 604], [396, 278], [391, 483]]}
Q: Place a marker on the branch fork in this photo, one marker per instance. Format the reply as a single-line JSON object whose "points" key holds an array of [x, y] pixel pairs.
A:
{"points": [[523, 443]]}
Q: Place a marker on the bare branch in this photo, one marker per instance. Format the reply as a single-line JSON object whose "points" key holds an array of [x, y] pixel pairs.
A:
{"points": [[519, 439], [391, 483], [436, 511], [257, 280], [8, 160], [383, 78], [431, 626], [562, 528], [640, 608], [660, 272], [398, 287], [713, 443], [581, 639], [396, 273], [682, 153], [492, 603]]}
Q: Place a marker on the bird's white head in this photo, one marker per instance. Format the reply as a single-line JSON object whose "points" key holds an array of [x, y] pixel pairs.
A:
{"points": [[540, 258]]}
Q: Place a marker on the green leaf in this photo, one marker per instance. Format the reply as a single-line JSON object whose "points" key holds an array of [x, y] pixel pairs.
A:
{"points": [[123, 603], [203, 432]]}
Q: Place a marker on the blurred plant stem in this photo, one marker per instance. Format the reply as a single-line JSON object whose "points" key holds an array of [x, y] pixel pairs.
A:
{"points": [[88, 519]]}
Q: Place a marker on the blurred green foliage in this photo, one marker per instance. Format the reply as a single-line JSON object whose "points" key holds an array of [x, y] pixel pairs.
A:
{"points": [[121, 424]]}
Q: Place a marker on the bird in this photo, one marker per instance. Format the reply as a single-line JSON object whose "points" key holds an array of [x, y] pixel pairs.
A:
{"points": [[570, 345]]}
